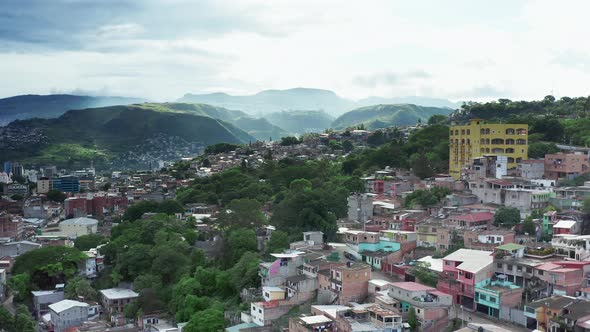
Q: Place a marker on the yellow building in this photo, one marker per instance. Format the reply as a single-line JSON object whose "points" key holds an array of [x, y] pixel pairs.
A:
{"points": [[479, 138]]}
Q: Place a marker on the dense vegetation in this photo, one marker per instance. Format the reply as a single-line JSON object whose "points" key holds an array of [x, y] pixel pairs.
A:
{"points": [[110, 131], [52, 106], [299, 122], [383, 116], [426, 151], [566, 120]]}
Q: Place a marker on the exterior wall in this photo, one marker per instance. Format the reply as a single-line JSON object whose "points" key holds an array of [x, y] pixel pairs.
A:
{"points": [[532, 169], [351, 285], [10, 226], [478, 138], [43, 186], [72, 317], [76, 230], [562, 165]]}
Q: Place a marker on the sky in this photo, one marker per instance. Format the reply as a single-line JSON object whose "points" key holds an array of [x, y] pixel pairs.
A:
{"points": [[454, 49]]}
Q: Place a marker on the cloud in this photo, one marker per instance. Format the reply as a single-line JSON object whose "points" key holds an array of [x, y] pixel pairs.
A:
{"points": [[162, 49], [390, 78]]}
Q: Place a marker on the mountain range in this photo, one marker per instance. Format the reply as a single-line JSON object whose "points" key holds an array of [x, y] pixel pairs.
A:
{"points": [[305, 99], [51, 106], [383, 116], [117, 135]]}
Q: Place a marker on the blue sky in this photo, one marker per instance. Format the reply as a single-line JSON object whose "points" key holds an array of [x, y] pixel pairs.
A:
{"points": [[456, 49]]}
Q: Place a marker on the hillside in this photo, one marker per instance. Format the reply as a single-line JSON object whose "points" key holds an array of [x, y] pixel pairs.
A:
{"points": [[117, 136], [415, 100], [299, 122], [259, 128], [382, 116], [268, 101], [51, 106]]}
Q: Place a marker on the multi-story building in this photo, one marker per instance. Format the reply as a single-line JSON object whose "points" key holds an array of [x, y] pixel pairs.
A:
{"points": [[575, 247], [285, 265], [43, 185], [478, 138], [432, 306], [68, 183], [114, 300], [487, 240], [563, 226], [368, 317], [569, 166], [532, 169], [42, 299], [462, 270], [11, 226], [350, 282], [495, 293], [68, 313], [477, 220]]}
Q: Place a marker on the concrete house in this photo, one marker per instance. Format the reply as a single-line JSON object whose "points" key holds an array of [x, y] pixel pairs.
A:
{"points": [[68, 313], [114, 300]]}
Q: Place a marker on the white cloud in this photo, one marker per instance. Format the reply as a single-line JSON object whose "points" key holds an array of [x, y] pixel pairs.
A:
{"points": [[454, 49]]}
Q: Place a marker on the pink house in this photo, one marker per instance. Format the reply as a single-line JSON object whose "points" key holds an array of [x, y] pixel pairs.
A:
{"points": [[567, 277], [479, 220], [461, 271]]}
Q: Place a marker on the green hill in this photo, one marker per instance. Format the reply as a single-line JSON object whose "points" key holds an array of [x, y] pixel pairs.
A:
{"points": [[51, 106], [382, 116], [299, 122], [259, 128], [119, 135]]}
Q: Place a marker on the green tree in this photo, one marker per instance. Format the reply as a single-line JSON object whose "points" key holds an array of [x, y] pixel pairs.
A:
{"points": [[586, 206], [437, 119], [279, 241], [80, 287], [209, 320], [528, 227], [412, 319], [299, 185], [6, 320], [539, 150], [243, 212], [87, 242], [347, 146], [17, 197], [20, 285], [289, 140], [239, 241], [170, 206], [426, 276], [136, 210], [23, 321], [55, 195], [507, 217]]}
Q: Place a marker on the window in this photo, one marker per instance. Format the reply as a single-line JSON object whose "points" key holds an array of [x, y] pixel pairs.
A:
{"points": [[462, 131], [529, 269], [492, 299], [468, 132], [540, 272], [500, 265]]}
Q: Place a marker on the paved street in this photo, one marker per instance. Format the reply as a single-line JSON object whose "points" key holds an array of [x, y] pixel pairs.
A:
{"points": [[476, 317]]}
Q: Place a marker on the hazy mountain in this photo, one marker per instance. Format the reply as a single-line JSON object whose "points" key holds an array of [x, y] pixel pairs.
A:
{"points": [[128, 136], [382, 116], [415, 100], [52, 106], [268, 101], [259, 128], [299, 122]]}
